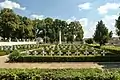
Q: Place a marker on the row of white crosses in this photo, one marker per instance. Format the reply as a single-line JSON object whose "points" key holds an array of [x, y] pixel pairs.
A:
{"points": [[51, 53], [103, 52], [43, 52], [68, 53], [8, 48], [95, 52], [60, 53], [77, 53]]}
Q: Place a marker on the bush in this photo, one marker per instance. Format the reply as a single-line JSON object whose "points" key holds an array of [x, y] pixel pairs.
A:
{"points": [[37, 58], [89, 41], [113, 49], [14, 55], [58, 74]]}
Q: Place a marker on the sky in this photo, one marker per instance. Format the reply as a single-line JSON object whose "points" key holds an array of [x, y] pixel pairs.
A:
{"points": [[87, 12]]}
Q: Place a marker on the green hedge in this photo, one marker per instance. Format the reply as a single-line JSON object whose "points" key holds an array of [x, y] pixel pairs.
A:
{"points": [[58, 74], [38, 58], [113, 49]]}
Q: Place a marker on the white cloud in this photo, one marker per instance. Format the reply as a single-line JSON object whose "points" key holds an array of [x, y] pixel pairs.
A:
{"points": [[83, 21], [90, 29], [11, 5], [108, 20], [71, 19], [84, 6], [108, 6], [35, 16], [110, 23]]}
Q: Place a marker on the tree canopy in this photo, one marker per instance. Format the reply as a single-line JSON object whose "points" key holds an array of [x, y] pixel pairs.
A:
{"points": [[117, 25], [101, 34], [20, 27]]}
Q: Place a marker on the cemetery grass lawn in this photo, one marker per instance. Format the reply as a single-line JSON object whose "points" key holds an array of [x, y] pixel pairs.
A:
{"points": [[2, 53]]}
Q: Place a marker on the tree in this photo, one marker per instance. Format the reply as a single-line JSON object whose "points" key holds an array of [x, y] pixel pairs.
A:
{"points": [[101, 34], [76, 31], [89, 41], [117, 25], [20, 27], [48, 28], [110, 34], [63, 30], [58, 27], [9, 23], [28, 28]]}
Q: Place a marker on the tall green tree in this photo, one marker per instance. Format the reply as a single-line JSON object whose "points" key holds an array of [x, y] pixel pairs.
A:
{"points": [[117, 25], [20, 27], [101, 34], [63, 29], [110, 34], [9, 22], [75, 31], [58, 27], [48, 28]]}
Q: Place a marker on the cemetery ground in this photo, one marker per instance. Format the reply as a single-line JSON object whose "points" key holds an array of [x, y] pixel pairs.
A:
{"points": [[59, 62], [56, 64]]}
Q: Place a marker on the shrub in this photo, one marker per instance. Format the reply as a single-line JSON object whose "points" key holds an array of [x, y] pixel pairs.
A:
{"points": [[38, 58], [58, 74], [89, 41], [14, 55]]}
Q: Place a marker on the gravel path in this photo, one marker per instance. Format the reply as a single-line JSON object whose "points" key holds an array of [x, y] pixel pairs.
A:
{"points": [[53, 65]]}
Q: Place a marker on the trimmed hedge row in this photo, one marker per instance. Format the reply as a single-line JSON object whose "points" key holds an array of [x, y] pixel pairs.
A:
{"points": [[58, 74], [34, 58], [112, 49]]}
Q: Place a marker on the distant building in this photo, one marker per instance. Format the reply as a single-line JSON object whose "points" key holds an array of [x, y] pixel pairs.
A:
{"points": [[114, 41]]}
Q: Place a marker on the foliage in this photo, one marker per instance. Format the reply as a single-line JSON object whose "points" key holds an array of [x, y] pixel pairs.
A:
{"points": [[75, 29], [117, 25], [14, 26], [37, 58], [65, 53], [115, 50], [110, 34], [101, 34], [59, 74], [89, 41], [14, 55]]}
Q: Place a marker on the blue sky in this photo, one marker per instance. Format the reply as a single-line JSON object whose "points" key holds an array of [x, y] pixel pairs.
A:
{"points": [[88, 12]]}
